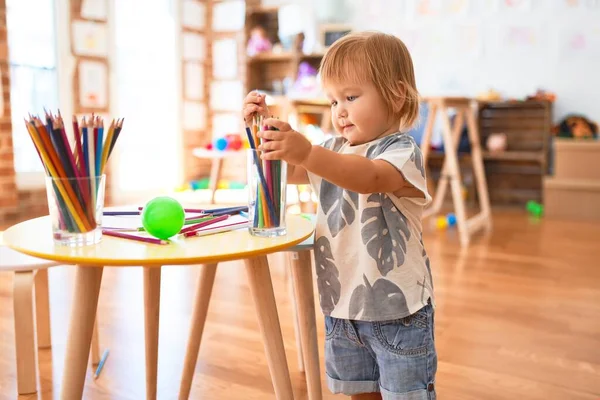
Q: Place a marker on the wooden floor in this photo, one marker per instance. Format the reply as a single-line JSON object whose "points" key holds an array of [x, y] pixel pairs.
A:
{"points": [[518, 317]]}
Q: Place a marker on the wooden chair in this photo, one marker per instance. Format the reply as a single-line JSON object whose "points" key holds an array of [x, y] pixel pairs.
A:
{"points": [[31, 273]]}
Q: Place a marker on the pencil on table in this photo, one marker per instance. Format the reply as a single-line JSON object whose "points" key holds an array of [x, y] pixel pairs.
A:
{"points": [[122, 235]]}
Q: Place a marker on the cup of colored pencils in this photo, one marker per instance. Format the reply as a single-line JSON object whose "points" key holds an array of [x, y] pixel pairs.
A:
{"points": [[75, 178], [267, 182]]}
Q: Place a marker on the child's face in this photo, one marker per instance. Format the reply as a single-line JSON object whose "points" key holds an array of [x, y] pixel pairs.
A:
{"points": [[359, 113]]}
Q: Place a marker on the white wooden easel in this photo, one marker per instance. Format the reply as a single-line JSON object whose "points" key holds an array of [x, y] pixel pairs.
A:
{"points": [[451, 171]]}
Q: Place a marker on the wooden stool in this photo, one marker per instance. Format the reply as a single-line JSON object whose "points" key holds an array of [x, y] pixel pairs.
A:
{"points": [[450, 170], [27, 272]]}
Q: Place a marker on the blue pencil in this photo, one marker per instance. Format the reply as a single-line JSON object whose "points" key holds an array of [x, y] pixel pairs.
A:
{"points": [[101, 364], [99, 149]]}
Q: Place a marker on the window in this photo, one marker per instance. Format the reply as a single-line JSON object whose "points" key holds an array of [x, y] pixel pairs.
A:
{"points": [[34, 79], [147, 80]]}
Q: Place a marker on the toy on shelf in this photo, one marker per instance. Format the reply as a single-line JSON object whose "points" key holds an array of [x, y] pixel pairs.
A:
{"points": [[163, 217], [490, 95], [534, 208], [576, 126], [496, 142], [258, 42], [307, 82], [542, 95]]}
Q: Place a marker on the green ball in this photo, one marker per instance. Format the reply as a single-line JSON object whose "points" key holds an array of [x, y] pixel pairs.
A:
{"points": [[163, 217]]}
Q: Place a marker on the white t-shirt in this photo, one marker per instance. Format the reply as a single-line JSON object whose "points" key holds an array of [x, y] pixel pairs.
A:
{"points": [[369, 255]]}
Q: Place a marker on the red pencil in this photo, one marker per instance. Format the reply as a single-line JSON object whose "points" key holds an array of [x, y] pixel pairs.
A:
{"points": [[190, 229], [133, 237]]}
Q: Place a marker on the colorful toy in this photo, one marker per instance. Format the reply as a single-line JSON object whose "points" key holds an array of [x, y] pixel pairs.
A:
{"points": [[200, 184], [220, 144], [258, 42], [442, 222], [534, 208], [451, 218], [577, 127], [163, 217]]}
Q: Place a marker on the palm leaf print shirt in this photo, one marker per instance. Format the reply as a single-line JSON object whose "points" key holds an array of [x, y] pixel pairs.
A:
{"points": [[369, 255]]}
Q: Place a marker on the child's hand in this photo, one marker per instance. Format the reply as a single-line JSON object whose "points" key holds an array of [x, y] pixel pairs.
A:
{"points": [[284, 144], [254, 103]]}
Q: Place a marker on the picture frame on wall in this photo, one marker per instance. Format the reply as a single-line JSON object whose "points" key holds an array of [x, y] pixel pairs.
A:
{"points": [[329, 33]]}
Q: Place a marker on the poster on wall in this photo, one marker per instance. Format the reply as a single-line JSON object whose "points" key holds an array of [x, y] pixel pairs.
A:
{"points": [[226, 95], [229, 16], [93, 84], [194, 116], [225, 123], [193, 75], [225, 59], [193, 14], [89, 39], [516, 5], [94, 9], [519, 39], [580, 43], [577, 4], [194, 47]]}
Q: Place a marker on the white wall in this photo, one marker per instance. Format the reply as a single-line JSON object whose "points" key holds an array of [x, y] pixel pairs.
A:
{"points": [[468, 52]]}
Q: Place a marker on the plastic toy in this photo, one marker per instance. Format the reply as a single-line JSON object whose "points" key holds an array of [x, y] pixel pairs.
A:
{"points": [[258, 42], [441, 223], [534, 208], [163, 217], [220, 144], [451, 219]]}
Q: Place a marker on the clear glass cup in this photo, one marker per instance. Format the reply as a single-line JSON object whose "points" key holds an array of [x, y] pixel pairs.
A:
{"points": [[267, 183], [76, 206]]}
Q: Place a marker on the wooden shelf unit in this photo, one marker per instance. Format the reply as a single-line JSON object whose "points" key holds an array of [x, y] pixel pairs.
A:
{"points": [[263, 69], [515, 176]]}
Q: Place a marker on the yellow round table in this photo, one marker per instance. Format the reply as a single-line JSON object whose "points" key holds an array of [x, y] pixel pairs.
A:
{"points": [[34, 237]]}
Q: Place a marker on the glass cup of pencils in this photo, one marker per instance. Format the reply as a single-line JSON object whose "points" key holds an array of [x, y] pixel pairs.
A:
{"points": [[267, 183], [76, 206]]}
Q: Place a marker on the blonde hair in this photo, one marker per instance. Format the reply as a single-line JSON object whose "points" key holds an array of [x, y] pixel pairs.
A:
{"points": [[381, 59]]}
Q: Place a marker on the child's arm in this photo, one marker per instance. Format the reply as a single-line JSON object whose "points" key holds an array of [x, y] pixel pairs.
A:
{"points": [[354, 173], [296, 175]]}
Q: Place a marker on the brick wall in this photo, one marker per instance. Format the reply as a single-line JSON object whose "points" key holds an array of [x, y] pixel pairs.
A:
{"points": [[8, 187]]}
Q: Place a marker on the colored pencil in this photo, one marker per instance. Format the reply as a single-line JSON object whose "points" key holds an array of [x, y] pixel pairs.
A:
{"points": [[101, 364], [72, 165], [203, 224], [122, 235]]}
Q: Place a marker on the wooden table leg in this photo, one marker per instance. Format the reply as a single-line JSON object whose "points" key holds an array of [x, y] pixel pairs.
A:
{"points": [[292, 292], [264, 302], [303, 287], [203, 292], [24, 333], [81, 327], [215, 175], [151, 314], [42, 309]]}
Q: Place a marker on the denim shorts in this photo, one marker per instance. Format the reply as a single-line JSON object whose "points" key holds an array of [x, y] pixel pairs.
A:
{"points": [[397, 358]]}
